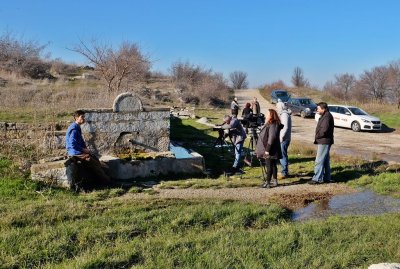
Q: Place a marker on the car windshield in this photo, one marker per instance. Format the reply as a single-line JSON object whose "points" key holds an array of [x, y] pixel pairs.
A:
{"points": [[357, 111], [305, 102], [281, 94]]}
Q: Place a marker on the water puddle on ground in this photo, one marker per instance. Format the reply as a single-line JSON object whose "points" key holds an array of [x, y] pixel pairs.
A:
{"points": [[359, 203]]}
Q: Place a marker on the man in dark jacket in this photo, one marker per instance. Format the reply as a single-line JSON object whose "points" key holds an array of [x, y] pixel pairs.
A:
{"points": [[324, 141]]}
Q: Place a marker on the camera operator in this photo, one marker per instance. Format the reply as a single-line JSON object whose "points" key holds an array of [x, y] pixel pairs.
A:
{"points": [[247, 115], [238, 136]]}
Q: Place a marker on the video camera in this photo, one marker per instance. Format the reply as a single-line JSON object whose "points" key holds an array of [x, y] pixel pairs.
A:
{"points": [[254, 121], [221, 131]]}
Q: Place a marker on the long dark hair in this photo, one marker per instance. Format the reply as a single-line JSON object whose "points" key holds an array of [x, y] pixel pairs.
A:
{"points": [[273, 116]]}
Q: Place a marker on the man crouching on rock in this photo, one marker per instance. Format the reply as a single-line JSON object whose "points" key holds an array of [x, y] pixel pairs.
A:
{"points": [[77, 149]]}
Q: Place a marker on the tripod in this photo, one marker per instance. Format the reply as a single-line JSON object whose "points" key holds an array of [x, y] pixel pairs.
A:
{"points": [[250, 153], [248, 159]]}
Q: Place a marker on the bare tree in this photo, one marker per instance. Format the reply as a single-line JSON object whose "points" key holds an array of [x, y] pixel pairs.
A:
{"points": [[199, 85], [345, 83], [185, 74], [331, 89], [239, 79], [115, 66], [394, 81], [23, 57], [298, 79], [376, 82]]}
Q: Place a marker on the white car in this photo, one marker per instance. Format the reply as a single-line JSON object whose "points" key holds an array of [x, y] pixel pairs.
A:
{"points": [[353, 117]]}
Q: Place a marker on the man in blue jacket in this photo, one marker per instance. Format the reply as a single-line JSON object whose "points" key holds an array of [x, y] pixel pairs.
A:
{"points": [[238, 135], [76, 148]]}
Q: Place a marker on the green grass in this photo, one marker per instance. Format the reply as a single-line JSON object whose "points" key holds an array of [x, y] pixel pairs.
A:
{"points": [[385, 183], [31, 116], [46, 227], [42, 227], [391, 120]]}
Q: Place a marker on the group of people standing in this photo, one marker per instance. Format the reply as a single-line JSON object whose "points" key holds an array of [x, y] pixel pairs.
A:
{"points": [[272, 145], [275, 137], [236, 130]]}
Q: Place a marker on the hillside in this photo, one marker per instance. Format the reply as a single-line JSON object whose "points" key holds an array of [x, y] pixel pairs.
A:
{"points": [[28, 100]]}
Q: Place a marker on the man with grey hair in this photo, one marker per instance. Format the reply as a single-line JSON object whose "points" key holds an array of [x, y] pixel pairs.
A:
{"points": [[238, 135], [256, 107], [234, 107], [285, 135]]}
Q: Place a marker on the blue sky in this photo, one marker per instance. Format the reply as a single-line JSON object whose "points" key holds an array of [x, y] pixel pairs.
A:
{"points": [[267, 39]]}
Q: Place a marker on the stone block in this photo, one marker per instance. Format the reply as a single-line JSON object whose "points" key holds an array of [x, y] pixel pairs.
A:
{"points": [[62, 173], [127, 102]]}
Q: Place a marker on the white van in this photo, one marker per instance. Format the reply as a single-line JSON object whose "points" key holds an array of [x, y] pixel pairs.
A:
{"points": [[353, 117]]}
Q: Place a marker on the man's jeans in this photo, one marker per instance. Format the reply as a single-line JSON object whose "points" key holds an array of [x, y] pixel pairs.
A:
{"points": [[322, 169], [238, 154], [285, 160]]}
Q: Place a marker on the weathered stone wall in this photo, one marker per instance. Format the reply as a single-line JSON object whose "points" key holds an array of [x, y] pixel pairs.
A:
{"points": [[128, 126], [107, 132], [65, 173]]}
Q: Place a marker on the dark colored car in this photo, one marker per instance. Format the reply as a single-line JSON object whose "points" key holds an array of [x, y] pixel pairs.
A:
{"points": [[279, 94], [303, 106]]}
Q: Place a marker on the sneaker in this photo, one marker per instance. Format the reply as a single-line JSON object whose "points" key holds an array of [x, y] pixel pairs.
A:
{"points": [[240, 171], [330, 181], [274, 182], [281, 176], [236, 171], [313, 182], [265, 185]]}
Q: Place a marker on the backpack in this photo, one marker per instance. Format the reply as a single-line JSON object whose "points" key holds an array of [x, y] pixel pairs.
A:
{"points": [[260, 147]]}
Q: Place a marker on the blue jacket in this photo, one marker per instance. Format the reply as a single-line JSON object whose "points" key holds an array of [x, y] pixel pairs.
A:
{"points": [[74, 141]]}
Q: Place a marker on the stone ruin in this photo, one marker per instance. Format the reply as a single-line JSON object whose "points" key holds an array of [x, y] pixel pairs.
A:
{"points": [[125, 129]]}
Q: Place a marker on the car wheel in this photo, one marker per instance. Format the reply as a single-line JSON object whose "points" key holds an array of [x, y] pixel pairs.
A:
{"points": [[355, 126], [303, 114]]}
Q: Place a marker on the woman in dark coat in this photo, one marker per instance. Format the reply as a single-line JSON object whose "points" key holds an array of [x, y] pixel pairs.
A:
{"points": [[247, 115], [269, 147]]}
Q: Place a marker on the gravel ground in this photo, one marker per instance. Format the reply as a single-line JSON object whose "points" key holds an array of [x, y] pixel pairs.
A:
{"points": [[367, 145]]}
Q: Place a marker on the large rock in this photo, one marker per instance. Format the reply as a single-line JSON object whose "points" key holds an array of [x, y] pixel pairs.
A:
{"points": [[385, 266], [62, 173]]}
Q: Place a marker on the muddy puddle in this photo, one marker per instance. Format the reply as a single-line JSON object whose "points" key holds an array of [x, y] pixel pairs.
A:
{"points": [[360, 203]]}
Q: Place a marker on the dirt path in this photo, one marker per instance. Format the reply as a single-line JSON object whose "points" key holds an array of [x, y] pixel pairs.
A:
{"points": [[289, 196], [368, 145]]}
